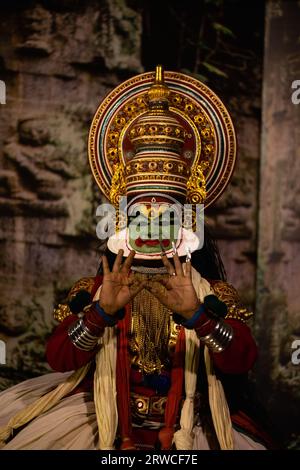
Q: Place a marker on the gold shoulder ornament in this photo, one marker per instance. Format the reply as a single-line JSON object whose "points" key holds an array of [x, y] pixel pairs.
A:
{"points": [[63, 311], [229, 295]]}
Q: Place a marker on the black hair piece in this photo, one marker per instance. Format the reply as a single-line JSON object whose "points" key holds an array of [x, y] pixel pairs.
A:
{"points": [[207, 261]]}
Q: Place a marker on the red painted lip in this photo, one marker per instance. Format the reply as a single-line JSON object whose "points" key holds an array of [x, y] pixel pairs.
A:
{"points": [[140, 242]]}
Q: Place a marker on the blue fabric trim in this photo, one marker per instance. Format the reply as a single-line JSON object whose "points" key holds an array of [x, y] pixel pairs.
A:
{"points": [[111, 321], [191, 322]]}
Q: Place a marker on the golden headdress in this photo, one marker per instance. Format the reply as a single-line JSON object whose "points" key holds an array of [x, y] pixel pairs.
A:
{"points": [[166, 133]]}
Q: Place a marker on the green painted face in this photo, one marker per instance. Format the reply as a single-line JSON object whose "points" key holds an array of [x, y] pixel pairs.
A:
{"points": [[152, 225]]}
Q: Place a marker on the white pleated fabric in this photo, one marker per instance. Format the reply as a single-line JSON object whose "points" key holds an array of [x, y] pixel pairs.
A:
{"points": [[105, 391], [240, 441], [183, 438], [201, 285], [218, 405], [72, 423], [69, 425], [16, 398], [42, 404]]}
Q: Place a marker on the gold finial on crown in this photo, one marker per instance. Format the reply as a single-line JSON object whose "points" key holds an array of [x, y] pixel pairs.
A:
{"points": [[159, 75], [158, 95]]}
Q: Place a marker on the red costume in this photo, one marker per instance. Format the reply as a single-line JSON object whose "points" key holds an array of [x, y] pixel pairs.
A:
{"points": [[156, 375], [237, 359]]}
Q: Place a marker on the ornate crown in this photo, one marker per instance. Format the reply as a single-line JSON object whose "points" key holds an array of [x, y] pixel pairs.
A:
{"points": [[158, 138], [166, 133]]}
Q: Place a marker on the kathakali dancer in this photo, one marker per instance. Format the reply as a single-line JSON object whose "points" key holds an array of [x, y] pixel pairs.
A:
{"points": [[152, 352]]}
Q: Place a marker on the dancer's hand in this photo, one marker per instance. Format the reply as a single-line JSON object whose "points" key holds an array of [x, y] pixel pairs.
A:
{"points": [[118, 286], [176, 292]]}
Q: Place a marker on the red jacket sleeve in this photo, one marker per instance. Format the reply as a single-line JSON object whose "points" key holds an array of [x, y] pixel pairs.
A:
{"points": [[241, 353], [61, 353]]}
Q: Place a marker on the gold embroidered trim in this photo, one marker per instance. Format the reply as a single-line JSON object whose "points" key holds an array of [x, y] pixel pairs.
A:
{"points": [[228, 294], [62, 311], [85, 283]]}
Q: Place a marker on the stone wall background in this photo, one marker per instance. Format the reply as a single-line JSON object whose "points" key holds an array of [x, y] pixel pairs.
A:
{"points": [[278, 299], [58, 60]]}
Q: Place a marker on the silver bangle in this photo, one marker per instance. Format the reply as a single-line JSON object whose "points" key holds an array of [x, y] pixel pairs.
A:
{"points": [[219, 338], [81, 336]]}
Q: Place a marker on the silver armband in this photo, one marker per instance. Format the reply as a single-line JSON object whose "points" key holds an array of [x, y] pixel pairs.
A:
{"points": [[219, 338], [81, 336]]}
